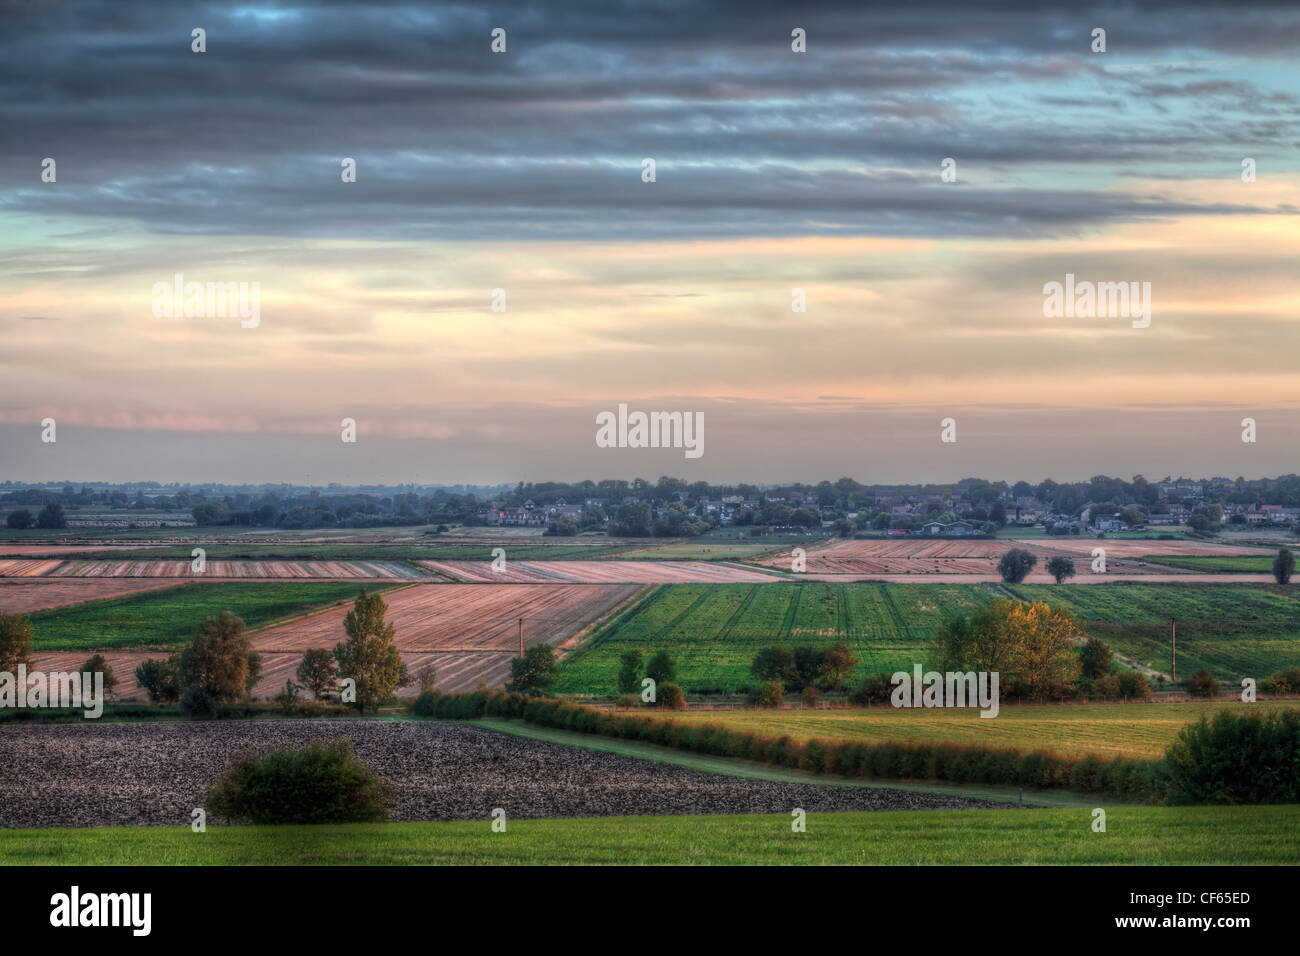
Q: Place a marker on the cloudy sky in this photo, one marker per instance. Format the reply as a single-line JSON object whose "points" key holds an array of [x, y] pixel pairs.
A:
{"points": [[522, 171]]}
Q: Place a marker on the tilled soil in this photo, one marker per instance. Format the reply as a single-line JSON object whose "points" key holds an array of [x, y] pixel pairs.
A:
{"points": [[85, 775]]}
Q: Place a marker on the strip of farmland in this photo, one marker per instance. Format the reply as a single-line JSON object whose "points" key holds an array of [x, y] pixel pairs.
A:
{"points": [[600, 572], [216, 570]]}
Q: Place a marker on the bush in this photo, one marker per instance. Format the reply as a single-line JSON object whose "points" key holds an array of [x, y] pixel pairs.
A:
{"points": [[809, 696], [1283, 566], [287, 700], [323, 782], [771, 694], [426, 704], [1133, 684], [670, 697], [1285, 681], [1203, 684], [874, 690], [628, 701], [98, 665], [1235, 759]]}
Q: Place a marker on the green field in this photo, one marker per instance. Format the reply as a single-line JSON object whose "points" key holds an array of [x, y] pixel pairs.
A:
{"points": [[1233, 630], [1136, 731], [168, 618], [1134, 835], [714, 631], [1220, 564]]}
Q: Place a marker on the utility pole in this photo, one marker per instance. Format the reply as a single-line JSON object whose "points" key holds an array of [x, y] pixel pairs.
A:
{"points": [[521, 638], [1173, 649]]}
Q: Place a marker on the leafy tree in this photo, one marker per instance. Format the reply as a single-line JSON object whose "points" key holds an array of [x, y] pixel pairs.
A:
{"points": [[775, 664], [1133, 684], [220, 668], [670, 696], [160, 679], [771, 694], [1016, 564], [318, 672], [98, 665], [1283, 566], [536, 672], [15, 642], [1060, 568], [630, 671], [369, 656], [808, 665], [1095, 658], [52, 516], [838, 666], [661, 669], [22, 518]]}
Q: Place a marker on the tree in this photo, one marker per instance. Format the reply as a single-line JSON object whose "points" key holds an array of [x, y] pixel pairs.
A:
{"points": [[775, 664], [1060, 568], [536, 672], [1015, 565], [1283, 566], [98, 665], [669, 696], [1095, 658], [22, 518], [630, 672], [838, 666], [771, 694], [15, 642], [661, 669], [160, 679], [51, 516], [369, 656], [318, 672], [808, 665], [220, 668]]}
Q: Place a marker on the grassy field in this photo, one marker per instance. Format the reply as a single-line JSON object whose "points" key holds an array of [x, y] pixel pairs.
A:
{"points": [[1134, 835], [714, 631], [1233, 630], [168, 618], [1217, 564], [1135, 731]]}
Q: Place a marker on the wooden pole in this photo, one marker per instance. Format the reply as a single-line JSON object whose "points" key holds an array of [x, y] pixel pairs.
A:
{"points": [[1173, 649], [521, 638]]}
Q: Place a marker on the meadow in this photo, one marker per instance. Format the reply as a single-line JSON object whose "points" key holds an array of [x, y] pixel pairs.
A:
{"points": [[1131, 730], [1135, 836], [713, 631], [167, 618], [1217, 564]]}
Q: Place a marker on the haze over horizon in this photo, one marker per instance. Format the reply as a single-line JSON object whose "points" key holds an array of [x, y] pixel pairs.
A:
{"points": [[522, 171]]}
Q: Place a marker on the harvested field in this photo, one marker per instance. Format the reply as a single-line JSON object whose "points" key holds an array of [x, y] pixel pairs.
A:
{"points": [[600, 572], [23, 598], [930, 556], [467, 631], [216, 570], [83, 775]]}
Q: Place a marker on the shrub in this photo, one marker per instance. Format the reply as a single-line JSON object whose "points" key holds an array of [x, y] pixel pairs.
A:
{"points": [[1133, 684], [670, 697], [809, 696], [1235, 759], [323, 782], [628, 701], [1285, 681], [1107, 687], [874, 690], [426, 704], [1203, 684], [160, 679], [98, 665], [287, 700], [771, 694]]}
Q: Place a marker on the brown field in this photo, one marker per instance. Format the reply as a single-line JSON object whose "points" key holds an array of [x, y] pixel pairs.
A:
{"points": [[601, 572], [925, 556], [216, 570], [23, 597]]}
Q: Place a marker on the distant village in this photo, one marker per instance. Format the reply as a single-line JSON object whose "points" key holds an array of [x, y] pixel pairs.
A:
{"points": [[673, 507]]}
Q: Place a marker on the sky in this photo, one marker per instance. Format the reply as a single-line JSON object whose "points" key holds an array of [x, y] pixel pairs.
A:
{"points": [[523, 171]]}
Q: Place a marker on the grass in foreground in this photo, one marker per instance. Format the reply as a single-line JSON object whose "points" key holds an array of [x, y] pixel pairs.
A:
{"points": [[1134, 835], [167, 618], [1134, 731]]}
